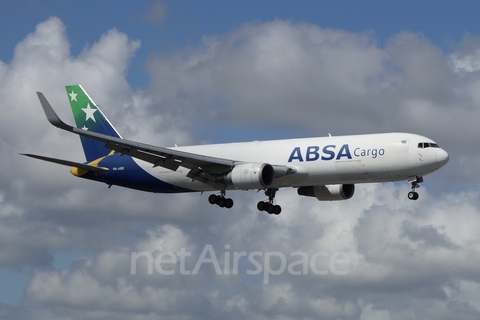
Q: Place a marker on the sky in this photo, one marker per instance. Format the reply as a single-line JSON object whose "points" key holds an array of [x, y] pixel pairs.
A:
{"points": [[190, 72]]}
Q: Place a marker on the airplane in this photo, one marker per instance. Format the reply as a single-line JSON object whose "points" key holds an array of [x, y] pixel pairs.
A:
{"points": [[326, 168]]}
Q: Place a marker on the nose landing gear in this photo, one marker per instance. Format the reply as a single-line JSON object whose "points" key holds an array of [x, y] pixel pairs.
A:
{"points": [[413, 195]]}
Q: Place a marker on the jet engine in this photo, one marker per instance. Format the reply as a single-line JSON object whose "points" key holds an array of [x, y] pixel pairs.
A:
{"points": [[328, 192], [251, 176]]}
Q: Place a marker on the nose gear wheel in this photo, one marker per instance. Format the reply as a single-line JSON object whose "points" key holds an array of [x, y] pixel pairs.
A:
{"points": [[413, 195]]}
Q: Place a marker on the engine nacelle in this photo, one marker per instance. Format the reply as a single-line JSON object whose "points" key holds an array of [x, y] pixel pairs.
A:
{"points": [[251, 176], [328, 192]]}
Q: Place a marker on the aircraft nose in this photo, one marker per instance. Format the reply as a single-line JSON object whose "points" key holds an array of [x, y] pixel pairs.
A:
{"points": [[442, 157]]}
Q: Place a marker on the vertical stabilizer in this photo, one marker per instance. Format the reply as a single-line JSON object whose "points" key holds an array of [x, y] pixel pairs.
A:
{"points": [[89, 117]]}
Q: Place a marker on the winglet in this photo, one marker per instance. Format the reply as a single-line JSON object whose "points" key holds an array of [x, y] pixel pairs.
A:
{"points": [[51, 114]]}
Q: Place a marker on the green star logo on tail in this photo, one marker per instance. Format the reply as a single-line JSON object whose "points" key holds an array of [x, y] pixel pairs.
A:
{"points": [[89, 112], [89, 117], [73, 96]]}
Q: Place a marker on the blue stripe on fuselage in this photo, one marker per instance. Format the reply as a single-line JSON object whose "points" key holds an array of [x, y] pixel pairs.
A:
{"points": [[125, 172]]}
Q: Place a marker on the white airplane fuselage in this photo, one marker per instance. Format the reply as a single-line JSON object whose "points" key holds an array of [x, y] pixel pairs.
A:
{"points": [[321, 161]]}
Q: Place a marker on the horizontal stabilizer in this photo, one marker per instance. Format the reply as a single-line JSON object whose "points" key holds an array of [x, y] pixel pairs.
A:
{"points": [[67, 163]]}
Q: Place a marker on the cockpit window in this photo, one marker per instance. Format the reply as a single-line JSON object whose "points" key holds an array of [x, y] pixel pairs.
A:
{"points": [[423, 145]]}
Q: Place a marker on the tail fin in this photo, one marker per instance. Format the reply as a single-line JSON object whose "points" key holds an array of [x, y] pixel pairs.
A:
{"points": [[89, 117]]}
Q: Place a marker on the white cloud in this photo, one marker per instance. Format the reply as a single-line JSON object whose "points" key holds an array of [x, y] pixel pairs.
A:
{"points": [[388, 265], [407, 259]]}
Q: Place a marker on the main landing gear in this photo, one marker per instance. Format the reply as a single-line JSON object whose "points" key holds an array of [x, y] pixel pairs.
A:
{"points": [[220, 200], [268, 205], [412, 195]]}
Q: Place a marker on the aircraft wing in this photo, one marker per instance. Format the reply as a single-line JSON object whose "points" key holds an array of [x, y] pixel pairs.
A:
{"points": [[203, 168]]}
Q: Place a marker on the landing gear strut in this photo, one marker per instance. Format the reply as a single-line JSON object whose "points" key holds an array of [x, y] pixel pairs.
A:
{"points": [[220, 200], [413, 195], [268, 205]]}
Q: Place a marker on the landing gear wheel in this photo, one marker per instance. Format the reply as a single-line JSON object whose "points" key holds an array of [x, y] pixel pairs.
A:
{"points": [[212, 199], [261, 206], [277, 209], [221, 202], [270, 208], [229, 203], [412, 195]]}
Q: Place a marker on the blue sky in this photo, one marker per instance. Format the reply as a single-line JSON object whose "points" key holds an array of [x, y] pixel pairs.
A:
{"points": [[192, 72], [444, 23]]}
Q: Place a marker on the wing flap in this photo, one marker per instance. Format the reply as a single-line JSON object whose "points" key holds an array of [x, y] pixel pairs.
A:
{"points": [[156, 160]]}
